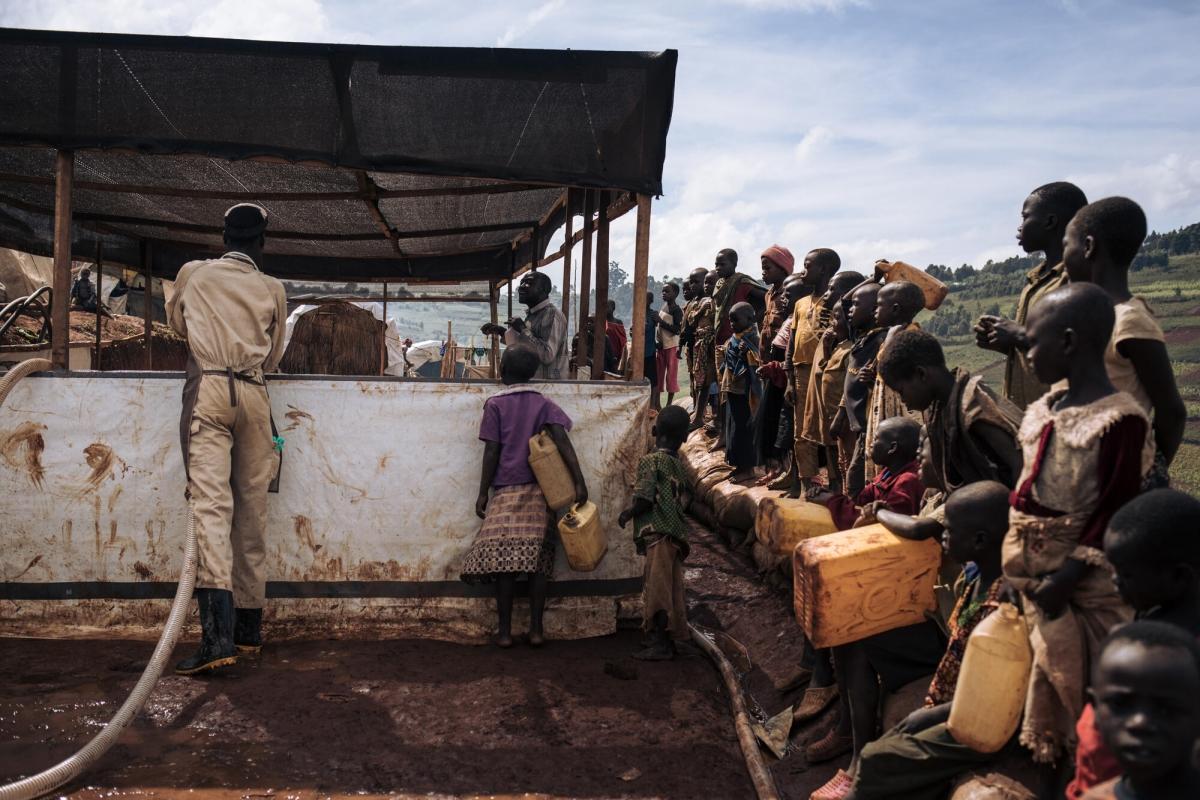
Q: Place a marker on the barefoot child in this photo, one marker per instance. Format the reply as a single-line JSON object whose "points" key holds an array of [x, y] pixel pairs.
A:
{"points": [[1100, 245], [661, 535], [1147, 695], [919, 758], [897, 487], [1152, 546], [739, 390], [515, 540], [1086, 452], [773, 434]]}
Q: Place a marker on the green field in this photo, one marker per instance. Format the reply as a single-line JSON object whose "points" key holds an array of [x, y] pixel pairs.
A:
{"points": [[1174, 295]]}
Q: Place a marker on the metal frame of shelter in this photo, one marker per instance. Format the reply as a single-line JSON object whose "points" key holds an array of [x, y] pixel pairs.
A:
{"points": [[395, 164]]}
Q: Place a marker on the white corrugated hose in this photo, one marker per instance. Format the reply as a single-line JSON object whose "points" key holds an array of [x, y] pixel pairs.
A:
{"points": [[71, 768]]}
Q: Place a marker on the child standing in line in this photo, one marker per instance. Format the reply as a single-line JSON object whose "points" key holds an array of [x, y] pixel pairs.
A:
{"points": [[1153, 548], [660, 532], [515, 540], [1147, 695], [1085, 454], [1100, 245], [898, 304], [828, 382], [896, 488], [739, 390], [850, 421], [773, 423]]}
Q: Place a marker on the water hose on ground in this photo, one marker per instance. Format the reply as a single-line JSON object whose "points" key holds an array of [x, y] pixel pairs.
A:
{"points": [[760, 776], [71, 768]]}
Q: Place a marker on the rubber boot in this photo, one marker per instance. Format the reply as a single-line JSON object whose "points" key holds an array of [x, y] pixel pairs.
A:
{"points": [[247, 631], [216, 633]]}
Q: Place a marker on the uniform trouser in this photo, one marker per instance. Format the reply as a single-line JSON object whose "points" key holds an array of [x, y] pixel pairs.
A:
{"points": [[804, 452], [230, 462]]}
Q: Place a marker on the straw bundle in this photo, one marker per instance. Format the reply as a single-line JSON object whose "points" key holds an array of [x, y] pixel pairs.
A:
{"points": [[335, 339]]}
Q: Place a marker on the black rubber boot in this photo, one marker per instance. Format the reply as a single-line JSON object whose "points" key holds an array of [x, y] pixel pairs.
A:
{"points": [[216, 633], [247, 631]]}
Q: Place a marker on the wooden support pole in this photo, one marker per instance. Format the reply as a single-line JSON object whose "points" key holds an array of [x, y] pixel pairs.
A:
{"points": [[569, 235], [494, 302], [601, 317], [641, 282], [383, 364], [512, 268], [60, 316], [148, 304], [585, 281], [99, 302]]}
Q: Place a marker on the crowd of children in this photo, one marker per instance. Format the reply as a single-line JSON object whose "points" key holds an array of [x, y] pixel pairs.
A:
{"points": [[820, 383]]}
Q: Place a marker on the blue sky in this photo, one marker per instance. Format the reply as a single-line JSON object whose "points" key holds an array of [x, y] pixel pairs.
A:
{"points": [[905, 130]]}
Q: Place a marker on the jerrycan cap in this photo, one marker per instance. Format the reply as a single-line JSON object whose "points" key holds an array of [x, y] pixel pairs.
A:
{"points": [[1008, 611]]}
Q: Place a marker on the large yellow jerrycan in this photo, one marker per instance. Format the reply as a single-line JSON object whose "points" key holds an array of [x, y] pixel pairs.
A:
{"points": [[990, 694], [583, 540], [551, 471]]}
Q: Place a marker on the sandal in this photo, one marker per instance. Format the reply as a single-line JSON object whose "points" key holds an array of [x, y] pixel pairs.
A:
{"points": [[838, 787], [815, 701], [828, 747]]}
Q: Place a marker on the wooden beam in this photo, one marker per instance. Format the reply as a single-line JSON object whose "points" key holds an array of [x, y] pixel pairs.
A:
{"points": [[148, 304], [60, 317], [99, 301], [216, 194], [641, 279], [585, 280], [601, 317], [370, 197], [568, 235]]}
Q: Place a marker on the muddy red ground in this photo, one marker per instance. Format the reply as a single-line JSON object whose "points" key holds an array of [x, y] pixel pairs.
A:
{"points": [[320, 718]]}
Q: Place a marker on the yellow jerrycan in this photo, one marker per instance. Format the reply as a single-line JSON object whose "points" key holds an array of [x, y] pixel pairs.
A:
{"points": [[551, 471], [934, 290], [990, 694], [583, 540]]}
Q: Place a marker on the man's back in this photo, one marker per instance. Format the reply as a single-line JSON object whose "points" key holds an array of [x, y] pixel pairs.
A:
{"points": [[232, 315]]}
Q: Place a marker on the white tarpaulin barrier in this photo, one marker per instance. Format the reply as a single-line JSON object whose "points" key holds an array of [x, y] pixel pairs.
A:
{"points": [[374, 516]]}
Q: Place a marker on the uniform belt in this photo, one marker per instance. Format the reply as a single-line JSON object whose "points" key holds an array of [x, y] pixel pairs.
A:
{"points": [[228, 372]]}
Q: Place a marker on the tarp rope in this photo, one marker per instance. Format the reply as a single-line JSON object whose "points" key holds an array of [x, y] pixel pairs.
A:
{"points": [[74, 766]]}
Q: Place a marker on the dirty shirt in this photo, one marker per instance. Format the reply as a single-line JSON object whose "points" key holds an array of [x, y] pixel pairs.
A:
{"points": [[512, 418], [546, 332], [662, 482]]}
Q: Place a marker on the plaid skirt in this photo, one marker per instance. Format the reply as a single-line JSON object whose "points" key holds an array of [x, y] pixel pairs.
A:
{"points": [[515, 537]]}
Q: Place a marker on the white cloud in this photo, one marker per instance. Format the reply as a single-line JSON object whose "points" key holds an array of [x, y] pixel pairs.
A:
{"points": [[287, 20], [815, 139], [531, 21], [1169, 184], [804, 5]]}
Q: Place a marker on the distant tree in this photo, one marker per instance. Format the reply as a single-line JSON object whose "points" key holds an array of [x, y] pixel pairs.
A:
{"points": [[964, 272]]}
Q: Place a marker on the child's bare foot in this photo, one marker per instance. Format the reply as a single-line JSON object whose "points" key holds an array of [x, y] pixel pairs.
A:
{"points": [[659, 651], [504, 640], [536, 638]]}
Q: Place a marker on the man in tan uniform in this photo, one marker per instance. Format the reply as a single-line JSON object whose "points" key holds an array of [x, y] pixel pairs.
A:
{"points": [[233, 317], [809, 319]]}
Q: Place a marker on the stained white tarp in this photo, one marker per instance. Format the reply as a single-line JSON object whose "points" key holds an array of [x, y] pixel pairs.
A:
{"points": [[368, 531]]}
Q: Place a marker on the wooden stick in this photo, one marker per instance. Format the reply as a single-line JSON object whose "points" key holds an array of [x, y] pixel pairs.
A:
{"points": [[148, 304], [512, 259], [585, 280], [641, 279], [99, 300], [494, 302], [566, 249], [601, 318], [60, 315]]}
